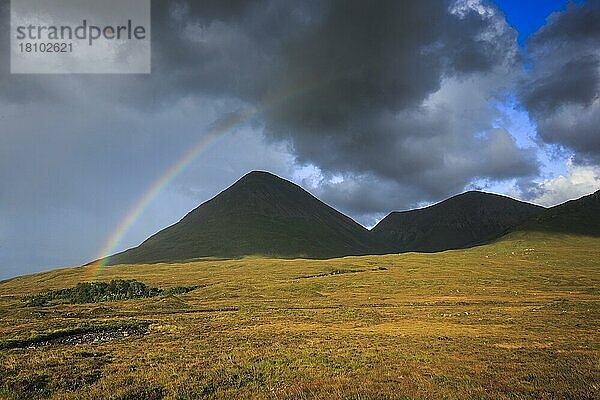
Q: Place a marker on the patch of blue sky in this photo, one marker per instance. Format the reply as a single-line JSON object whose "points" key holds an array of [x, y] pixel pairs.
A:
{"points": [[527, 16]]}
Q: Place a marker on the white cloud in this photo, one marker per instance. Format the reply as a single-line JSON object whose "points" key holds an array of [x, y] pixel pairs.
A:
{"points": [[578, 181]]}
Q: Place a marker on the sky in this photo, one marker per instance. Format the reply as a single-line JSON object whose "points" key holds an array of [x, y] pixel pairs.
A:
{"points": [[371, 106], [527, 16]]}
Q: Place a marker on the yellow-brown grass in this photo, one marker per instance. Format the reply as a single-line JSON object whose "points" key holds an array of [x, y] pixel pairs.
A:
{"points": [[516, 319]]}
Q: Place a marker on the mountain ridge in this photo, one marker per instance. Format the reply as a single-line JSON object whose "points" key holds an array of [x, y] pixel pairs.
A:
{"points": [[262, 214], [578, 216], [461, 221]]}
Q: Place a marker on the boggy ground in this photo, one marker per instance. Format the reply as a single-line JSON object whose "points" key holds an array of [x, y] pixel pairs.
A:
{"points": [[517, 319]]}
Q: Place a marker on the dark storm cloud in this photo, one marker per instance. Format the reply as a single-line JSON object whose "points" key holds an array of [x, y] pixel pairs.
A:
{"points": [[563, 91], [358, 61], [575, 82], [344, 82], [347, 84], [578, 23]]}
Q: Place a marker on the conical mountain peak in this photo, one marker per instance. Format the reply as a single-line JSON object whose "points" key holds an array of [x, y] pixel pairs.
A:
{"points": [[256, 179], [260, 214]]}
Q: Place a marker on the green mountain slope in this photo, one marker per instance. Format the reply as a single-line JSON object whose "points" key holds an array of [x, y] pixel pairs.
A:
{"points": [[461, 221], [261, 214], [580, 217]]}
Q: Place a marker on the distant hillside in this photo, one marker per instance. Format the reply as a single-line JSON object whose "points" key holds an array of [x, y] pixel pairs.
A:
{"points": [[581, 216], [261, 214], [461, 221]]}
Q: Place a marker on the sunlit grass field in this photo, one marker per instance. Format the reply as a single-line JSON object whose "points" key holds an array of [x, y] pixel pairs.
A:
{"points": [[517, 319]]}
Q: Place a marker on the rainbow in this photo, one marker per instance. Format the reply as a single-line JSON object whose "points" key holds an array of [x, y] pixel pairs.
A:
{"points": [[218, 130]]}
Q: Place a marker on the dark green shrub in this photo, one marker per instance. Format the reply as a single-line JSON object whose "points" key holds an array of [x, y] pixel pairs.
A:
{"points": [[95, 292]]}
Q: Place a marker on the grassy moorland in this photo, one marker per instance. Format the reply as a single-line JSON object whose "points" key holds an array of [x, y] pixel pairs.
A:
{"points": [[516, 319]]}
